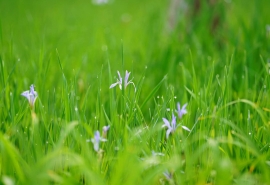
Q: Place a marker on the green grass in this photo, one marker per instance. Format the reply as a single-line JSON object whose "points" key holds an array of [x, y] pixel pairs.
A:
{"points": [[71, 51]]}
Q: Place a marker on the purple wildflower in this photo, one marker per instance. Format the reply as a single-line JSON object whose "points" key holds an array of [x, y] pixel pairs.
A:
{"points": [[96, 140], [105, 130], [168, 175], [171, 127], [31, 95], [182, 111], [119, 81]]}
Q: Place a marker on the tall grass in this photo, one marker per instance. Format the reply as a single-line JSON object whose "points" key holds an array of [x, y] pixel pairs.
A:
{"points": [[71, 52]]}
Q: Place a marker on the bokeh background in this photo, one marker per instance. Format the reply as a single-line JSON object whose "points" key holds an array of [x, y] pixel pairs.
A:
{"points": [[164, 36], [212, 52]]}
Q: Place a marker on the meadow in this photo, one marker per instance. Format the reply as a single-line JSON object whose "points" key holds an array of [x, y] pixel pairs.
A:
{"points": [[134, 92]]}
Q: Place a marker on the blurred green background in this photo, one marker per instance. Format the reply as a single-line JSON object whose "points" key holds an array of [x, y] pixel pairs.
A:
{"points": [[167, 37], [212, 52], [86, 35]]}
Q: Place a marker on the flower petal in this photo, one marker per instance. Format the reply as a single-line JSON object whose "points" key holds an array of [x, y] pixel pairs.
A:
{"points": [[173, 122], [32, 89], [185, 128], [96, 146], [184, 106], [115, 84], [168, 175], [166, 123], [31, 95], [180, 111], [178, 107], [119, 77], [126, 78], [97, 136], [26, 94], [32, 99], [168, 132], [106, 128]]}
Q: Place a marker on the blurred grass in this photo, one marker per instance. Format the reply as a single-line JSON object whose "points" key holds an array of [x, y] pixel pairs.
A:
{"points": [[71, 51]]}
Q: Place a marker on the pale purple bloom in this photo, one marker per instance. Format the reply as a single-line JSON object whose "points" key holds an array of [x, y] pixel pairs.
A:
{"points": [[31, 95], [182, 111], [105, 130], [168, 175], [96, 140], [119, 81], [171, 127]]}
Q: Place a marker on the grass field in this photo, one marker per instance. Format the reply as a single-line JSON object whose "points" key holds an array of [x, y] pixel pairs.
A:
{"points": [[73, 127]]}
